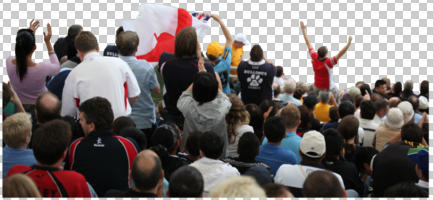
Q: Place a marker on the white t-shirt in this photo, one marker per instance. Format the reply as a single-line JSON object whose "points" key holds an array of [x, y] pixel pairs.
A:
{"points": [[240, 130], [107, 77]]}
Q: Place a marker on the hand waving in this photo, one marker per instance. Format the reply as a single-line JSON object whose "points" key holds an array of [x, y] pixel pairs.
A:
{"points": [[34, 25], [47, 36]]}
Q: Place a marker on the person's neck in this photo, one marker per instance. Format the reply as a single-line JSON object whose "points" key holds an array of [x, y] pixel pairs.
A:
{"points": [[292, 130], [151, 191], [89, 52], [275, 143], [57, 165]]}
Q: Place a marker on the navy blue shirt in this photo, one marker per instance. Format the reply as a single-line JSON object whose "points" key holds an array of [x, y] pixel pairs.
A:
{"points": [[111, 50], [274, 156], [56, 84]]}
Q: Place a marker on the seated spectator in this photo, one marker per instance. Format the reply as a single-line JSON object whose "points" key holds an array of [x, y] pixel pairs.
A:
{"points": [[333, 119], [113, 73], [348, 128], [248, 149], [277, 191], [389, 128], [122, 122], [423, 89], [17, 131], [312, 149], [178, 71], [143, 109], [90, 155], [420, 158], [362, 159], [292, 118], [271, 153], [51, 142], [211, 168], [380, 88], [111, 50], [235, 187], [393, 165], [166, 141], [269, 108], [204, 106], [308, 122], [334, 161], [237, 120], [20, 185], [310, 102], [407, 91], [367, 122], [11, 102], [288, 91], [407, 110], [393, 102], [256, 119], [415, 105], [352, 93], [220, 57], [47, 108], [192, 148], [301, 89], [322, 184], [321, 110], [148, 176], [61, 45], [135, 134], [263, 175], [405, 189], [396, 90], [186, 182], [382, 108], [256, 77], [29, 82]]}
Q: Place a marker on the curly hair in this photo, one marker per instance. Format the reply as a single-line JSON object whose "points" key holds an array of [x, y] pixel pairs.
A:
{"points": [[237, 115]]}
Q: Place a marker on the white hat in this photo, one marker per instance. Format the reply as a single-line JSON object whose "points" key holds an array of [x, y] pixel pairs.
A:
{"points": [[394, 118], [313, 144], [423, 102], [407, 110], [240, 37]]}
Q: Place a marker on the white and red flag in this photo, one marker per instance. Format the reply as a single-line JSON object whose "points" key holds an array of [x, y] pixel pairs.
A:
{"points": [[157, 26]]}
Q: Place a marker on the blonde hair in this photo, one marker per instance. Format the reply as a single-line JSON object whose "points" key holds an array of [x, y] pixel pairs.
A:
{"points": [[237, 115], [290, 115], [16, 128], [238, 186], [20, 185]]}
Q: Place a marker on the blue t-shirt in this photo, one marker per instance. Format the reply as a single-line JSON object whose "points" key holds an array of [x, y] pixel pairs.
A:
{"points": [[143, 110], [223, 69], [12, 157], [56, 84], [274, 156], [285, 98], [290, 142]]}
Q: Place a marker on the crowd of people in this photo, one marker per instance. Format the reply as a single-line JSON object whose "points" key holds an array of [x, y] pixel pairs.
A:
{"points": [[86, 125]]}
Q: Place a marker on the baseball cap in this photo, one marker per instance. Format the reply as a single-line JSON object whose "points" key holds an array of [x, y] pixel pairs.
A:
{"points": [[240, 37], [313, 144], [407, 110], [215, 49], [423, 103], [394, 118]]}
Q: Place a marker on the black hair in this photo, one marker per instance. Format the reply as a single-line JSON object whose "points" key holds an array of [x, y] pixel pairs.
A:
{"points": [[367, 109], [398, 88], [25, 44], [44, 114], [322, 52], [322, 183], [274, 129], [346, 108], [146, 180], [205, 87], [248, 147], [265, 104], [98, 110], [334, 144], [256, 119], [186, 181], [211, 57], [165, 135], [365, 88], [279, 72], [306, 118], [358, 100], [211, 144], [192, 144], [380, 104], [364, 155], [310, 101], [136, 134], [333, 114], [73, 31], [379, 83], [50, 141], [122, 122], [405, 189], [423, 88], [412, 132], [256, 53]]}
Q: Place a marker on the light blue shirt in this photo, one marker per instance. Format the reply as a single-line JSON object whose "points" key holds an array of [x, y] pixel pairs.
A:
{"points": [[417, 117], [285, 97], [290, 142], [12, 157], [143, 110], [223, 69], [274, 156]]}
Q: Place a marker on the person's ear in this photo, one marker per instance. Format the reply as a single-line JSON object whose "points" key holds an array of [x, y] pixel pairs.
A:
{"points": [[202, 154], [27, 140]]}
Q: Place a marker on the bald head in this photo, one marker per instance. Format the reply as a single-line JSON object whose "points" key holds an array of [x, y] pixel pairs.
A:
{"points": [[146, 170], [127, 43], [47, 107]]}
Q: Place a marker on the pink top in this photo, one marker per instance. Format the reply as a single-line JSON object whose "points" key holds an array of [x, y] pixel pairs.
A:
{"points": [[33, 82]]}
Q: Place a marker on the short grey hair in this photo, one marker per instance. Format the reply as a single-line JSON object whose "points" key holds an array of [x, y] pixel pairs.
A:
{"points": [[289, 86], [408, 85], [324, 96]]}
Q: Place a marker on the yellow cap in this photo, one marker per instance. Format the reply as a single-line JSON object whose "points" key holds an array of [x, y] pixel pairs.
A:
{"points": [[214, 49]]}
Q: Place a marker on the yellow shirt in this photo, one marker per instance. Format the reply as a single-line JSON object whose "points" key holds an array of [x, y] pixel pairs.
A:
{"points": [[321, 112], [237, 54]]}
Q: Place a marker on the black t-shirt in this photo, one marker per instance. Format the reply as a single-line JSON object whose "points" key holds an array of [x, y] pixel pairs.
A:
{"points": [[348, 172], [111, 50], [178, 74], [256, 81]]}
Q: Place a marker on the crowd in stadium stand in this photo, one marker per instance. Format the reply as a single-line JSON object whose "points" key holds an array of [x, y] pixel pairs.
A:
{"points": [[213, 124]]}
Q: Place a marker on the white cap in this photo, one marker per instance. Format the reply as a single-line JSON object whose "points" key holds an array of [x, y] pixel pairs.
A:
{"points": [[407, 110], [394, 118], [313, 144], [423, 102], [240, 37]]}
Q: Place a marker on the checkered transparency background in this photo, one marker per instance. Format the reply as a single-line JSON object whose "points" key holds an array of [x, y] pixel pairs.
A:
{"points": [[390, 39]]}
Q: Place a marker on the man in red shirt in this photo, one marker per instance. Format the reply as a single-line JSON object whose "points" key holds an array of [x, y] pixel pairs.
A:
{"points": [[323, 65]]}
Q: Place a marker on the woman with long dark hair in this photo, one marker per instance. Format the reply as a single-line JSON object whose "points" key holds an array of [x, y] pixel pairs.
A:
{"points": [[27, 77]]}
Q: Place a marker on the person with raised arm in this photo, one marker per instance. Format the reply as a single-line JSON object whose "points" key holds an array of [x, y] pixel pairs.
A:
{"points": [[322, 64]]}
